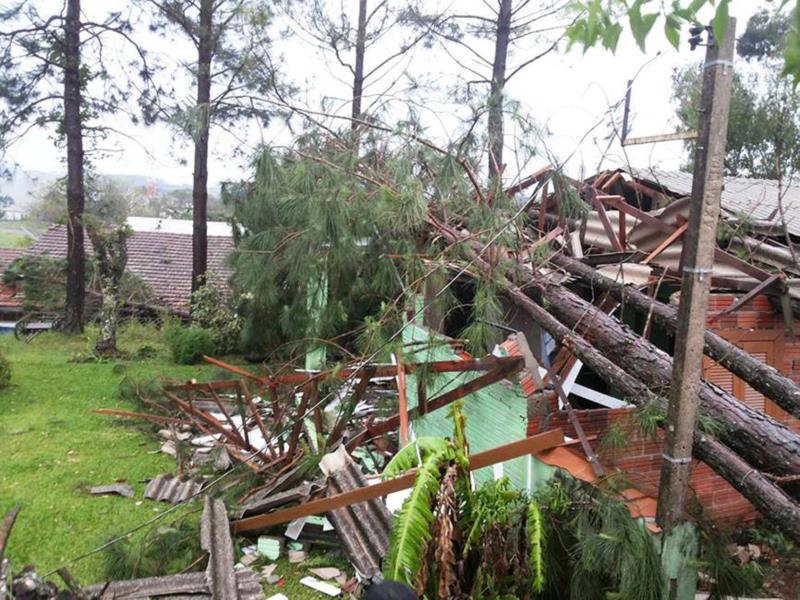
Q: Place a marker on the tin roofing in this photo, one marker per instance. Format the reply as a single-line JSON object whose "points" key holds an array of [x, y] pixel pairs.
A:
{"points": [[168, 488], [756, 198]]}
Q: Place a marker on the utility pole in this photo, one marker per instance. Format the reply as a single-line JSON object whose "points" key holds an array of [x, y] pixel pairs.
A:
{"points": [[697, 261]]}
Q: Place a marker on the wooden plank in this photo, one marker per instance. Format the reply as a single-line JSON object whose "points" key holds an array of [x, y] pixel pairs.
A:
{"points": [[606, 222], [299, 418], [748, 297], [523, 447], [611, 181], [536, 177], [666, 243], [219, 384], [402, 400], [476, 384], [737, 263], [619, 203], [576, 424], [237, 370], [486, 363], [545, 239], [392, 423], [138, 415]]}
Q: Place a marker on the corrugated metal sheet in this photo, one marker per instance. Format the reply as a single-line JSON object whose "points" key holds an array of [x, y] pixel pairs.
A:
{"points": [[219, 581], [756, 198], [168, 488], [186, 585], [363, 527], [215, 538]]}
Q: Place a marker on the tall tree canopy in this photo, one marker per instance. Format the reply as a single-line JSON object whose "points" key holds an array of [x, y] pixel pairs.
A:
{"points": [[367, 41], [764, 132], [231, 65]]}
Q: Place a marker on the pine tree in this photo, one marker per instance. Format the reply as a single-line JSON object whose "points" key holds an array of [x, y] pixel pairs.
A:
{"points": [[44, 82], [232, 66]]}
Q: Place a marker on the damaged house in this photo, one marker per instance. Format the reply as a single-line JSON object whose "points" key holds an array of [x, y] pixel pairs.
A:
{"points": [[631, 234]]}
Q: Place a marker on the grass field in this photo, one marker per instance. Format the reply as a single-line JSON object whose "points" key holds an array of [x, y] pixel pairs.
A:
{"points": [[52, 444], [12, 239]]}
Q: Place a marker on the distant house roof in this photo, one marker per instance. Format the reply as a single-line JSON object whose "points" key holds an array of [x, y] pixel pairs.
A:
{"points": [[183, 226], [9, 255], [756, 198], [162, 260]]}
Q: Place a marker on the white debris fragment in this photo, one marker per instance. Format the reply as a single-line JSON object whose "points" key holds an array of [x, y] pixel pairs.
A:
{"points": [[321, 586]]}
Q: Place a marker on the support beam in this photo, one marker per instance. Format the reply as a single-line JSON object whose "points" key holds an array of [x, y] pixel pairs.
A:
{"points": [[523, 447], [748, 297]]}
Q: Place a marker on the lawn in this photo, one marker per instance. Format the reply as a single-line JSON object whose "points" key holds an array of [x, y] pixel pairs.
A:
{"points": [[12, 239], [19, 234], [52, 444]]}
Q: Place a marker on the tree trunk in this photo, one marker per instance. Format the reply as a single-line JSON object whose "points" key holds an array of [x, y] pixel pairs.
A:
{"points": [[358, 76], [761, 377], [762, 441], [495, 125], [200, 180], [771, 501], [76, 282]]}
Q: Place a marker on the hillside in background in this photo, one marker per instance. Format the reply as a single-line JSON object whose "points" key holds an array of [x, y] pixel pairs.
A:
{"points": [[26, 186]]}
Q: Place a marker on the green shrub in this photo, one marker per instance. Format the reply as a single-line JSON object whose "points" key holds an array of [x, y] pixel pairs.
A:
{"points": [[5, 372], [189, 344], [214, 310]]}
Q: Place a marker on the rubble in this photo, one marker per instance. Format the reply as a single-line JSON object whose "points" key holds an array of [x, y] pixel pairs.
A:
{"points": [[119, 489], [169, 488]]}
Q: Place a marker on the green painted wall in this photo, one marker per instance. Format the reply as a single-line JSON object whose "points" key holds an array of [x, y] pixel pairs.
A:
{"points": [[496, 415]]}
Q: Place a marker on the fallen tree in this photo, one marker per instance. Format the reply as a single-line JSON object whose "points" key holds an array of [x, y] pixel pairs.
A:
{"points": [[763, 442], [760, 376], [769, 499], [757, 437]]}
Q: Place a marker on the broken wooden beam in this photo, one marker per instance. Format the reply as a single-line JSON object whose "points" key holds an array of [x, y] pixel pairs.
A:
{"points": [[523, 447], [748, 297]]}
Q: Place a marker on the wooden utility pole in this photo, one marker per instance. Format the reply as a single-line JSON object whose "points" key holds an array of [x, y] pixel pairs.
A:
{"points": [[698, 259]]}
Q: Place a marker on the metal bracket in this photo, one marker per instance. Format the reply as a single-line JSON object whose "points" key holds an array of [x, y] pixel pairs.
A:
{"points": [[699, 272], [724, 63], [676, 461]]}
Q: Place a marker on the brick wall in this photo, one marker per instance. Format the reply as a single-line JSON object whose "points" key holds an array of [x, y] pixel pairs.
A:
{"points": [[640, 460]]}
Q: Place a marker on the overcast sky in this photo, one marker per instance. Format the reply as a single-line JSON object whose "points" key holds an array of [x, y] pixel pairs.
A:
{"points": [[568, 94]]}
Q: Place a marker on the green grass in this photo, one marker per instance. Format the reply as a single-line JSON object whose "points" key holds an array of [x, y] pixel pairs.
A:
{"points": [[10, 239], [52, 444]]}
